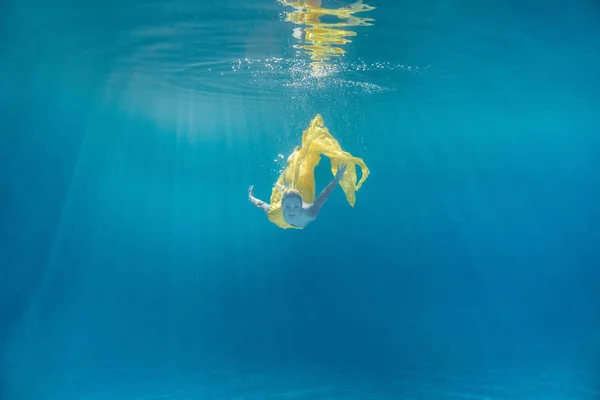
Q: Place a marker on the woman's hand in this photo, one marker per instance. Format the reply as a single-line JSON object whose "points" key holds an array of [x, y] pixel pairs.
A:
{"points": [[340, 172]]}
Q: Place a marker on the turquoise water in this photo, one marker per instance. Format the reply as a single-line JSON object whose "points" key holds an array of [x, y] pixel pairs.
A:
{"points": [[133, 267]]}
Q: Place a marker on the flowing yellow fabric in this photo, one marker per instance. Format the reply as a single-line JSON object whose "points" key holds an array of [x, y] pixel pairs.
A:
{"points": [[299, 173]]}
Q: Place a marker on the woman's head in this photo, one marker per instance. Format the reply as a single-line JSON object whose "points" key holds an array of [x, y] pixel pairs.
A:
{"points": [[291, 205]]}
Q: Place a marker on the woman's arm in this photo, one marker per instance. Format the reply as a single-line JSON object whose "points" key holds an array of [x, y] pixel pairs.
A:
{"points": [[324, 195], [257, 203]]}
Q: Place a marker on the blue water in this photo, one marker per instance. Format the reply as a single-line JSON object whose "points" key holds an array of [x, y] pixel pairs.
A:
{"points": [[133, 267]]}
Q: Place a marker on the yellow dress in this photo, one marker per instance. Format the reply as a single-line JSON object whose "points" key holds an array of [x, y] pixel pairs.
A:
{"points": [[299, 173]]}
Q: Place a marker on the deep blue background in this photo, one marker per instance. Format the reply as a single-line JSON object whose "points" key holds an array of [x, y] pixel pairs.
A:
{"points": [[130, 259]]}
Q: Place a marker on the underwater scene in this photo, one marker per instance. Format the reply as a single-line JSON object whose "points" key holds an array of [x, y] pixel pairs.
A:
{"points": [[299, 199]]}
